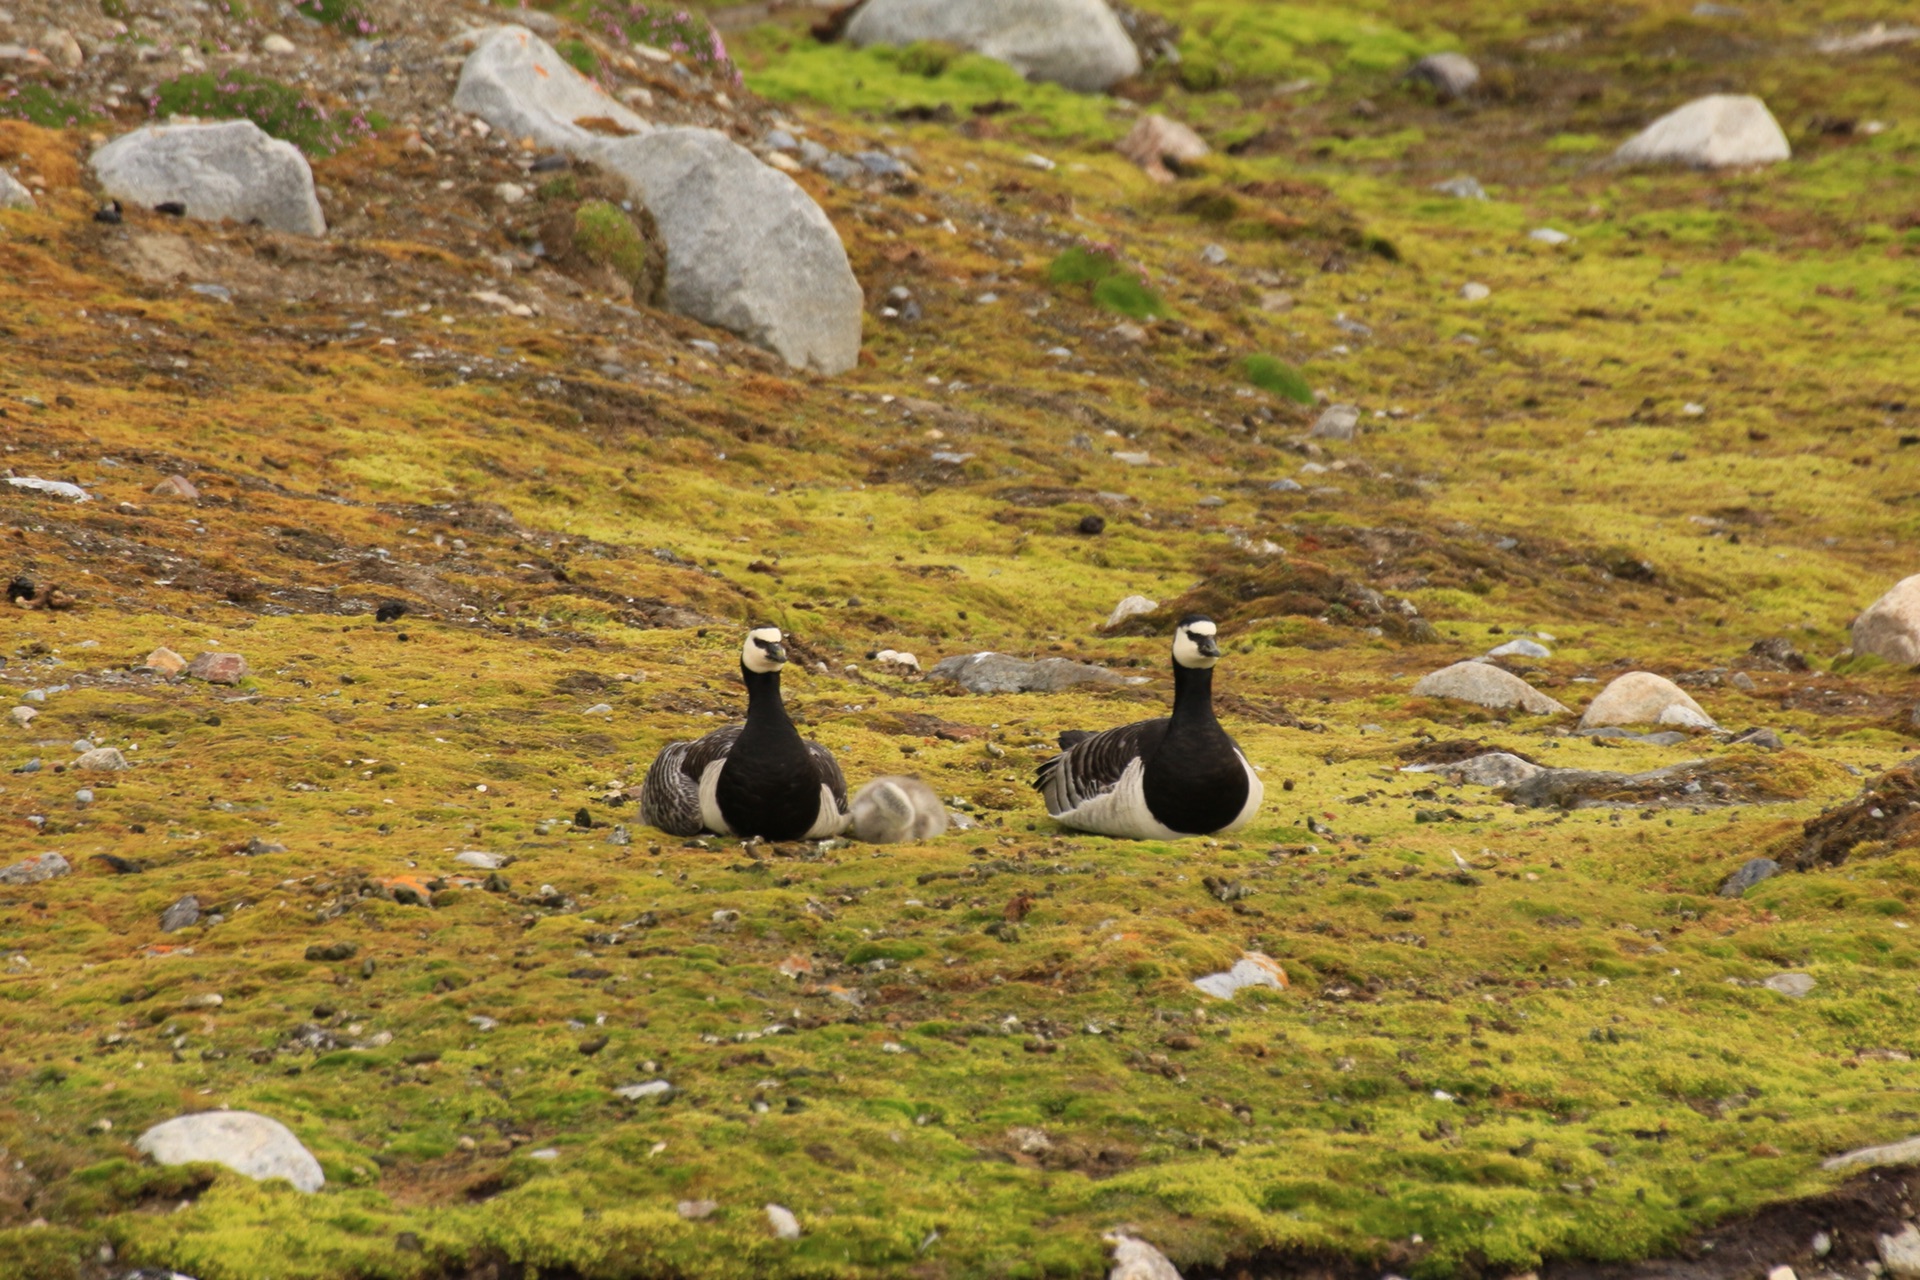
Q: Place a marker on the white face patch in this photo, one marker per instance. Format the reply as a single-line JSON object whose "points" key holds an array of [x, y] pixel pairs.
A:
{"points": [[753, 654], [1186, 645]]}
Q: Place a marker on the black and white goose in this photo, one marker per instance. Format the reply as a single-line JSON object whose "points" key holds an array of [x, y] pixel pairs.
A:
{"points": [[758, 778], [1158, 779]]}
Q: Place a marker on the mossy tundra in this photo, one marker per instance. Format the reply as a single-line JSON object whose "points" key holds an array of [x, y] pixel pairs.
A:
{"points": [[1511, 1036]]}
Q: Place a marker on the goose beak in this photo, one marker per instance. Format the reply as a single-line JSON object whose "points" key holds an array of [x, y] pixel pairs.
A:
{"points": [[774, 652], [1208, 646]]}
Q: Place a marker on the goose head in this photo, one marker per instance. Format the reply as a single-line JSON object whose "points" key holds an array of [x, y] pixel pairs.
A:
{"points": [[764, 651], [1194, 645]]}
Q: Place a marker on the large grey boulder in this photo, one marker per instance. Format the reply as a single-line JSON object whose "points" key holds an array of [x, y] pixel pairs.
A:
{"points": [[999, 673], [517, 83], [244, 1142], [1488, 686], [1640, 697], [1718, 131], [1075, 43], [1890, 626], [230, 169], [747, 249], [12, 194]]}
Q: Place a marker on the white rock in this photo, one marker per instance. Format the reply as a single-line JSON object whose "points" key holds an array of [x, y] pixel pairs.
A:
{"points": [[1155, 140], [22, 716], [230, 169], [1487, 686], [517, 83], [1790, 984], [1640, 697], [1076, 43], [61, 48], [248, 1144], [58, 488], [785, 1225], [1547, 235], [747, 248], [509, 192], [1892, 1155], [1251, 970], [1890, 626], [1336, 422], [480, 860], [1713, 132], [1135, 1259], [1521, 648], [1494, 769], [651, 1089], [1782, 1273], [101, 760], [277, 44], [41, 866], [1877, 36], [1474, 291], [12, 194], [898, 658], [1131, 607], [889, 809], [1900, 1254], [1452, 75]]}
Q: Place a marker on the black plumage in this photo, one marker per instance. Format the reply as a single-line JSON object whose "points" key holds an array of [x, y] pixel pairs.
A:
{"points": [[758, 778], [1180, 775]]}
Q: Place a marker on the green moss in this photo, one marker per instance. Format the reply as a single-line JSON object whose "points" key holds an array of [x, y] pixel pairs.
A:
{"points": [[1277, 376], [37, 104], [885, 80], [606, 236], [1128, 296], [1114, 286], [1225, 41], [279, 109], [579, 55], [348, 16]]}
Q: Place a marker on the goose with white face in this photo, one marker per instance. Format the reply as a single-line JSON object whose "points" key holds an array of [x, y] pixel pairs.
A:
{"points": [[764, 651], [757, 778], [1194, 644], [1158, 779]]}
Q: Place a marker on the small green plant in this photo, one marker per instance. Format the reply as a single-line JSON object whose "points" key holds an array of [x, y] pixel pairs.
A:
{"points": [[343, 15], [605, 236], [929, 58], [1115, 286], [676, 30], [1130, 297], [1277, 376], [579, 55], [37, 104], [279, 109], [560, 188]]}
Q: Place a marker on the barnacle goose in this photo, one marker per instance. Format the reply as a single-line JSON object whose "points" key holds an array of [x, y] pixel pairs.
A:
{"points": [[758, 778], [1158, 779]]}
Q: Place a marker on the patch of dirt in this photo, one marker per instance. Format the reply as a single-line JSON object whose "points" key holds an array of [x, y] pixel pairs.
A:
{"points": [[1885, 817], [1454, 751]]}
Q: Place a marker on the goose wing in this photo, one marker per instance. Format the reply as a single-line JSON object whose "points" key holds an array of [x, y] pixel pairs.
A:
{"points": [[830, 776], [1091, 764], [670, 796]]}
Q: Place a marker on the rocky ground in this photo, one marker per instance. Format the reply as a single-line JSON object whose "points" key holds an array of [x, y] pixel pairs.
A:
{"points": [[1607, 980]]}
